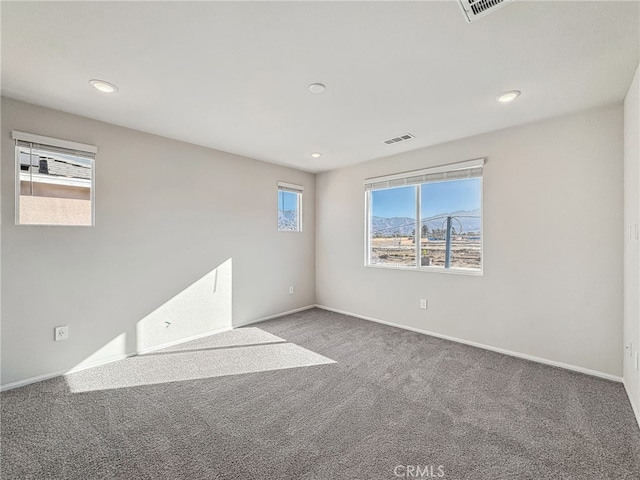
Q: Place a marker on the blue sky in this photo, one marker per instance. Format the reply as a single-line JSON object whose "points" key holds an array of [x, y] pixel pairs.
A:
{"points": [[287, 200], [437, 198]]}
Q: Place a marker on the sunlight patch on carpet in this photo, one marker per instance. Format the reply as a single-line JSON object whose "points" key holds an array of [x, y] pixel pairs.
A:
{"points": [[176, 366]]}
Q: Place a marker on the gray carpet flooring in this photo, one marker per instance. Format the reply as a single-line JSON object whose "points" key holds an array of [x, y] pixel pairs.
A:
{"points": [[318, 395]]}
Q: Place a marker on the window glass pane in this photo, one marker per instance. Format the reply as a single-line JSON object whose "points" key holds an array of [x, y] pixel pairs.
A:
{"points": [[288, 211], [55, 188], [451, 221], [392, 227]]}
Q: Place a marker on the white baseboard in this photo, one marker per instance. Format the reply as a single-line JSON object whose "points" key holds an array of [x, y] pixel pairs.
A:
{"points": [[224, 329], [511, 353], [183, 340], [633, 405], [111, 359], [296, 310], [27, 381], [47, 376]]}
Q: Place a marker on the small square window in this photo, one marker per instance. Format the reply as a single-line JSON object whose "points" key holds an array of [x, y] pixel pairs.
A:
{"points": [[54, 184], [289, 207]]}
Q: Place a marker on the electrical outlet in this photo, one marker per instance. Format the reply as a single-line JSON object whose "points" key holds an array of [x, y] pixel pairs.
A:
{"points": [[637, 360], [423, 303], [61, 333], [291, 290]]}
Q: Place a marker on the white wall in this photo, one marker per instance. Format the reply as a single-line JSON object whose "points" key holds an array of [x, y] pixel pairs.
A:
{"points": [[183, 234], [631, 244], [552, 284]]}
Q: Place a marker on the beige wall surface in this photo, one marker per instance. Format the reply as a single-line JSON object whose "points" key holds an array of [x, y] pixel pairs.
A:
{"points": [[631, 243], [185, 242], [55, 191], [552, 283], [54, 211]]}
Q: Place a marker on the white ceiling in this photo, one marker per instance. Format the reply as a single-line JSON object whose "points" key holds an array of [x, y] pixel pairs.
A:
{"points": [[234, 75]]}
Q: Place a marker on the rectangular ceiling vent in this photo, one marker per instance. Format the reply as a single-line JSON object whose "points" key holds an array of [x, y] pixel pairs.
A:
{"points": [[399, 138], [475, 9]]}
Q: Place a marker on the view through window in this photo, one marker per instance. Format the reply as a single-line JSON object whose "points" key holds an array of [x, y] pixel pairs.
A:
{"points": [[392, 227], [289, 207], [446, 235], [55, 185]]}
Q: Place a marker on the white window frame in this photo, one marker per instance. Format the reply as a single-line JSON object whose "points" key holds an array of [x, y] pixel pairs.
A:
{"points": [[62, 146], [455, 170], [298, 190]]}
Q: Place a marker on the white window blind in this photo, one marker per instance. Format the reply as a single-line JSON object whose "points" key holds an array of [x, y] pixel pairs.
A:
{"points": [[37, 142], [454, 171], [290, 187]]}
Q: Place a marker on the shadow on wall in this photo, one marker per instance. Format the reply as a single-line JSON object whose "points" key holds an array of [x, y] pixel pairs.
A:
{"points": [[203, 307]]}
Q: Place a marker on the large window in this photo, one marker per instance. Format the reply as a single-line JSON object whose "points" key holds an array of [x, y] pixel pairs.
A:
{"points": [[429, 219], [54, 181], [289, 207]]}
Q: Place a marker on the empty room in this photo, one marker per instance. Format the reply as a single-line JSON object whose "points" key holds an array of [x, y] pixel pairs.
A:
{"points": [[320, 240]]}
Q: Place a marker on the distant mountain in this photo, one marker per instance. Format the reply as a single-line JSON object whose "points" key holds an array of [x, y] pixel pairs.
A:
{"points": [[464, 221], [389, 226]]}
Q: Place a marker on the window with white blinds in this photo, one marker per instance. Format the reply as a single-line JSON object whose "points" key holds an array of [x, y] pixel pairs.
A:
{"points": [[455, 171], [428, 219], [54, 181], [289, 207]]}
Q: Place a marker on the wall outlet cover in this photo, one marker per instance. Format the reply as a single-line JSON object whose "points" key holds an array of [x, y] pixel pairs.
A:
{"points": [[61, 333]]}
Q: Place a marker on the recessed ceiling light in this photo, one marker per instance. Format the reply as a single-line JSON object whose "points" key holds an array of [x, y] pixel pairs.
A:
{"points": [[317, 88], [508, 96], [316, 154], [102, 86]]}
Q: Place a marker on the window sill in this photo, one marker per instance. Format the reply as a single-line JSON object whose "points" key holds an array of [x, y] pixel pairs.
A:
{"points": [[446, 271], [52, 225]]}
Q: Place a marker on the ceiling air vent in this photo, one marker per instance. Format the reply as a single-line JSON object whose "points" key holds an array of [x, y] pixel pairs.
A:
{"points": [[400, 138], [475, 9]]}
